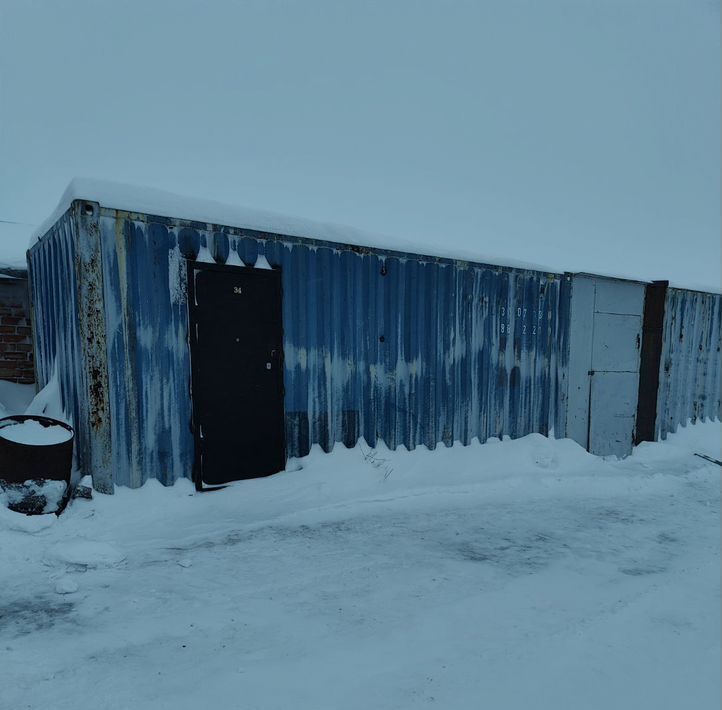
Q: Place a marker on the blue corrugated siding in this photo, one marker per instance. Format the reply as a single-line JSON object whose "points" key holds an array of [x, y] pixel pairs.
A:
{"points": [[405, 349], [690, 367], [467, 351], [54, 293], [389, 347], [148, 360]]}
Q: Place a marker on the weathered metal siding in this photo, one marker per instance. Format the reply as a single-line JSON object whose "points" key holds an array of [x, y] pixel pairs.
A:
{"points": [[406, 349], [56, 333], [689, 379], [414, 352], [146, 317], [91, 320], [386, 346]]}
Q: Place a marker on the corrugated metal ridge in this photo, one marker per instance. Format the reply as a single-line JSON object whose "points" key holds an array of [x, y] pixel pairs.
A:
{"points": [[35, 245], [237, 231], [694, 290]]}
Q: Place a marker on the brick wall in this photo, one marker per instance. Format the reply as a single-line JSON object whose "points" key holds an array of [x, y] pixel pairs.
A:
{"points": [[16, 340]]}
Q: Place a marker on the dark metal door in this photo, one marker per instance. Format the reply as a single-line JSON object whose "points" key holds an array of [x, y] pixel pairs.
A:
{"points": [[237, 366]]}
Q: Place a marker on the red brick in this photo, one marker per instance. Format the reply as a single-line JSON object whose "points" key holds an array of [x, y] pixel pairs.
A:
{"points": [[14, 356], [16, 349]]}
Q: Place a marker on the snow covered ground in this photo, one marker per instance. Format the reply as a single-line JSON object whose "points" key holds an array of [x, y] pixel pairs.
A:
{"points": [[524, 574]]}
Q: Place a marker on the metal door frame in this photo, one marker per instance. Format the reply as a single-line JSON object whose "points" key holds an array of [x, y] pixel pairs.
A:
{"points": [[655, 298], [191, 266]]}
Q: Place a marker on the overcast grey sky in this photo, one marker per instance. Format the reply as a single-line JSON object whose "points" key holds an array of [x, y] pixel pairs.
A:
{"points": [[580, 134]]}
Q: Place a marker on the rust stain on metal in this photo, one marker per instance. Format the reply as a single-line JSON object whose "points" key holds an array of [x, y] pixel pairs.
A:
{"points": [[92, 326], [93, 341]]}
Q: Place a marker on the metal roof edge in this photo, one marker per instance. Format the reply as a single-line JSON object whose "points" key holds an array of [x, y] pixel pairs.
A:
{"points": [[80, 190], [316, 242]]}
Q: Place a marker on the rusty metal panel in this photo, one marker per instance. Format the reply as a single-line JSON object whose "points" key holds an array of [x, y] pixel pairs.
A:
{"points": [[91, 322], [650, 360], [689, 377]]}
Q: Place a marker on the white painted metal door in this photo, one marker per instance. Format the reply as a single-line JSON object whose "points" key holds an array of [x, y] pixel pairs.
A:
{"points": [[614, 383], [605, 339]]}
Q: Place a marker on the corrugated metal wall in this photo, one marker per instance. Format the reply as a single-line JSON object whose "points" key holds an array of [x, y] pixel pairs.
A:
{"points": [[146, 320], [54, 293], [689, 379], [407, 350]]}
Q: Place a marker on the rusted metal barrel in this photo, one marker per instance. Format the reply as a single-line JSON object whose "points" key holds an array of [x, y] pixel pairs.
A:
{"points": [[35, 448]]}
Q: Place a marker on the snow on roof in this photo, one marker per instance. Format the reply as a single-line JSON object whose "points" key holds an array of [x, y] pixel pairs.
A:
{"points": [[152, 201], [147, 200]]}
